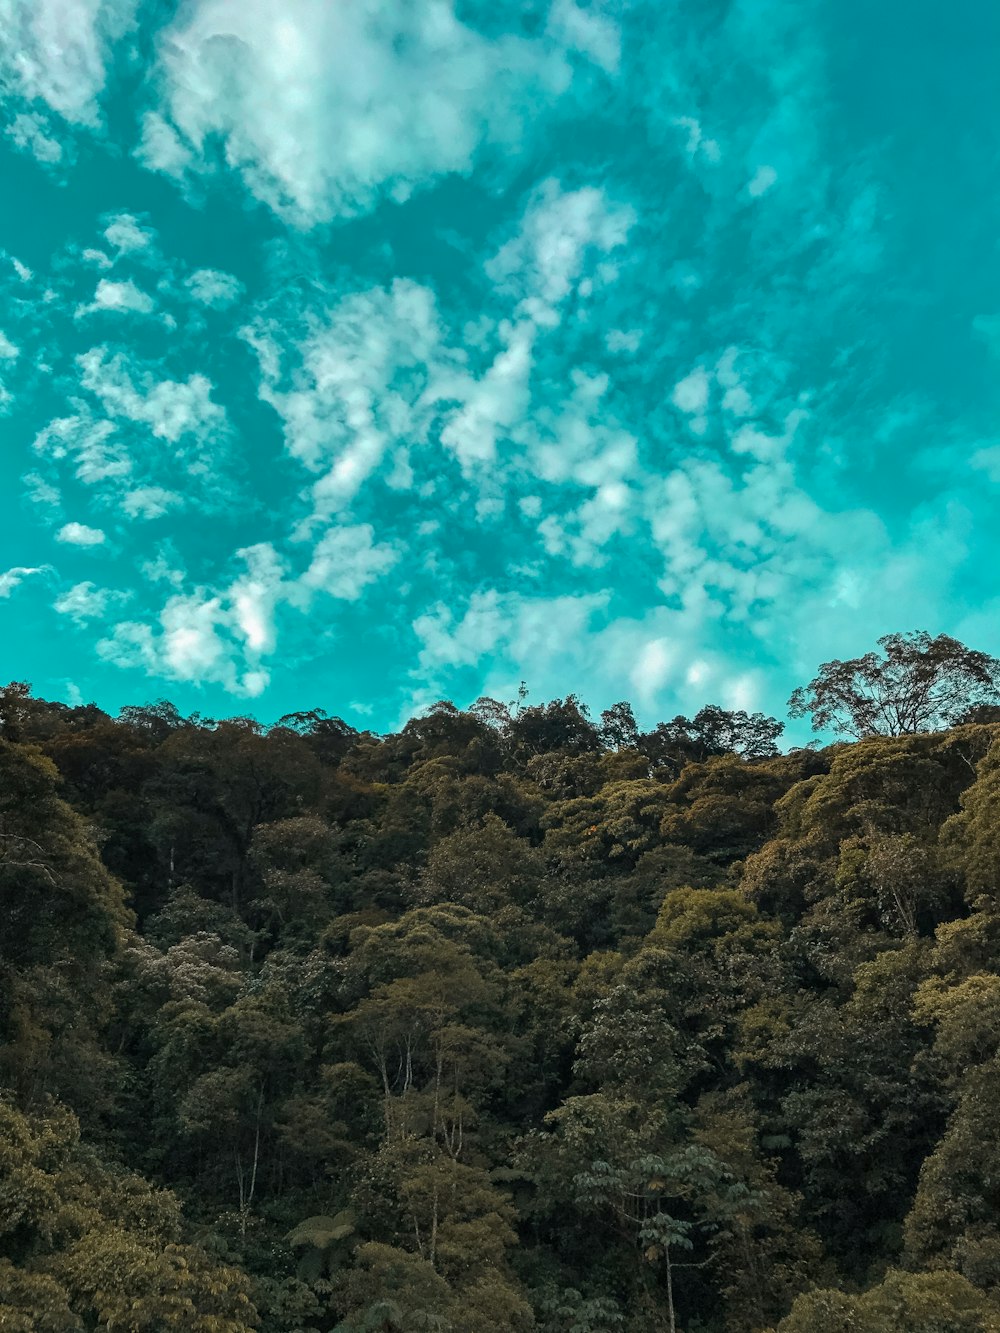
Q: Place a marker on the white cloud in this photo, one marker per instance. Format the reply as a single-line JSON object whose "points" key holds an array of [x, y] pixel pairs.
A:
{"points": [[490, 405], [763, 179], [654, 663], [97, 454], [623, 340], [665, 660], [370, 383], [150, 502], [691, 393], [737, 401], [323, 108], [587, 31], [172, 409], [698, 144], [559, 232], [202, 637], [224, 635], [32, 133], [85, 602], [578, 441], [13, 578], [145, 445], [42, 493], [987, 459], [57, 52], [9, 353], [357, 387], [125, 234], [164, 568], [346, 560], [118, 298], [161, 148], [78, 534], [511, 628], [212, 287]]}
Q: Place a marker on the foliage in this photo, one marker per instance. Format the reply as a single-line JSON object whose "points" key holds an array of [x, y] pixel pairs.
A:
{"points": [[513, 1019], [918, 683]]}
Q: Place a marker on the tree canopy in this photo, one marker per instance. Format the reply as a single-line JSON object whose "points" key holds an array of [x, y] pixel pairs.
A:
{"points": [[915, 683], [512, 1020]]}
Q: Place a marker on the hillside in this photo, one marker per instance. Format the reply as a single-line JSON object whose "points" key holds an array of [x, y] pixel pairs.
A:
{"points": [[510, 1020]]}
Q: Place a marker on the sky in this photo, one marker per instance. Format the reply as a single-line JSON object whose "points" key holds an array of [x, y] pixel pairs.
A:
{"points": [[356, 354]]}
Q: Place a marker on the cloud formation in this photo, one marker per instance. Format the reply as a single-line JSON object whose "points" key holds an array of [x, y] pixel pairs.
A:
{"points": [[55, 57], [79, 534], [612, 346], [122, 298], [13, 578], [324, 109]]}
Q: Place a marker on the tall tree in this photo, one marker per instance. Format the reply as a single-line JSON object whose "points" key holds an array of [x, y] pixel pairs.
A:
{"points": [[916, 683]]}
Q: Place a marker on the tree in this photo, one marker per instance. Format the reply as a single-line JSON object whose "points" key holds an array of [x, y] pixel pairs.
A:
{"points": [[712, 731], [562, 724], [618, 727], [917, 683], [941, 1302], [61, 917], [86, 1246]]}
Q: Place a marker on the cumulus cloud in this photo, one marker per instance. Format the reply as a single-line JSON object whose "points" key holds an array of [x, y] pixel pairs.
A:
{"points": [[355, 387], [9, 353], [560, 231], [323, 109], [85, 602], [225, 635], [13, 578], [33, 134], [42, 494], [211, 287], [691, 393], [376, 377], [488, 406], [623, 340], [144, 444], [125, 234], [123, 298], [79, 534], [660, 658], [587, 31], [150, 502], [346, 560], [763, 178], [510, 627], [209, 638], [697, 144], [90, 446], [55, 57], [172, 409]]}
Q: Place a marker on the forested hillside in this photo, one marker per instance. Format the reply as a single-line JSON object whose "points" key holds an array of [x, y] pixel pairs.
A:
{"points": [[516, 1019]]}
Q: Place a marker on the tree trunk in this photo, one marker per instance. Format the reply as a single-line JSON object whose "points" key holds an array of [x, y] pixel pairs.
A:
{"points": [[670, 1292]]}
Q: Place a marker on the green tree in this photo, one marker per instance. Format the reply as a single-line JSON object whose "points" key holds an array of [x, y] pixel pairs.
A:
{"points": [[903, 1303], [61, 917], [916, 683], [84, 1246]]}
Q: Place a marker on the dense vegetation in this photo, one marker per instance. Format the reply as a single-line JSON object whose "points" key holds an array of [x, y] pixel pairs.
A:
{"points": [[511, 1020]]}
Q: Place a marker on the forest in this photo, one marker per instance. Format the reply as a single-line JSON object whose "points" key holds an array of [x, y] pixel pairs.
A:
{"points": [[516, 1019]]}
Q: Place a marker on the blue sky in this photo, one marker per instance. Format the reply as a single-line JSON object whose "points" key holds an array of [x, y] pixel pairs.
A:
{"points": [[357, 355]]}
